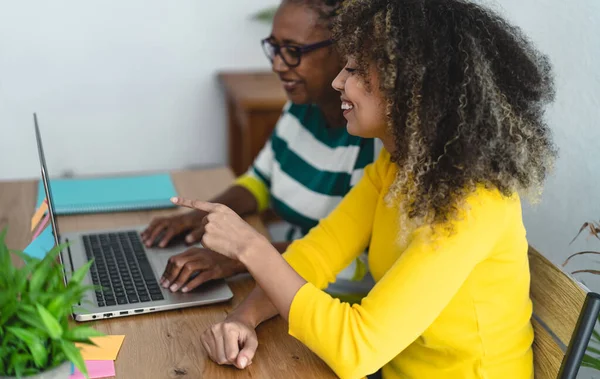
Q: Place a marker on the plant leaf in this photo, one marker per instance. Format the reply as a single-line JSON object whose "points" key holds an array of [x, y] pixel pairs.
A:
{"points": [[579, 253], [591, 362], [80, 273], [40, 275], [585, 225], [6, 297], [57, 306], [593, 350], [53, 327], [265, 15], [18, 362], [28, 315], [8, 310], [595, 272], [58, 358], [81, 333], [34, 343], [29, 371], [74, 355], [5, 262], [20, 277]]}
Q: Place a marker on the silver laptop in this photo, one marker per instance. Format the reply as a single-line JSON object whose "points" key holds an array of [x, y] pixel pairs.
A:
{"points": [[126, 270]]}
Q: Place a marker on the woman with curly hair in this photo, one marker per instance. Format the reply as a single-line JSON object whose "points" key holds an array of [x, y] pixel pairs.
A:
{"points": [[456, 94]]}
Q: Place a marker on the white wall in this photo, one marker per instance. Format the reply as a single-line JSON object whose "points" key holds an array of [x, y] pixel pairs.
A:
{"points": [[120, 85]]}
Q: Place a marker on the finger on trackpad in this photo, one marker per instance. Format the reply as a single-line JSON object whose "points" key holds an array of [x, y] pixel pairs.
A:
{"points": [[160, 263]]}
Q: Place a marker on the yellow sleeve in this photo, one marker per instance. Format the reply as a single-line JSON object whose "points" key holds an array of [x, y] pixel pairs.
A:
{"points": [[357, 340], [257, 188], [326, 249]]}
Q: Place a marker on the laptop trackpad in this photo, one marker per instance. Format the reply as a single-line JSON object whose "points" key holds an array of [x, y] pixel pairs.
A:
{"points": [[160, 257]]}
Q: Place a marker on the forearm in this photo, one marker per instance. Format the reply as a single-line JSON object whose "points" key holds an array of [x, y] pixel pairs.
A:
{"points": [[255, 309], [278, 280], [237, 198]]}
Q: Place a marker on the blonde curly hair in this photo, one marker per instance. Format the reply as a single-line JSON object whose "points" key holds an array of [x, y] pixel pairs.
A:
{"points": [[465, 97]]}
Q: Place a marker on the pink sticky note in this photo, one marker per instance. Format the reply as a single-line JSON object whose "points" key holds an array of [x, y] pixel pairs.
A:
{"points": [[96, 369], [41, 226]]}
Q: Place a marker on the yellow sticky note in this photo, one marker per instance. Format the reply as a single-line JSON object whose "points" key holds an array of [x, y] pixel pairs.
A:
{"points": [[107, 349], [39, 214]]}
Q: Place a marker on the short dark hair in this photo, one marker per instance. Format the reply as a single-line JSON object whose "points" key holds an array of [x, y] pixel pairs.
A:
{"points": [[326, 9]]}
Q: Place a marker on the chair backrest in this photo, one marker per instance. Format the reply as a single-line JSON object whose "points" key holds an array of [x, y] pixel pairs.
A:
{"points": [[557, 302], [580, 340]]}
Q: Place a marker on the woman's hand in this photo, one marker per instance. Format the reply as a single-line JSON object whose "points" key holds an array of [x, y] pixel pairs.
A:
{"points": [[168, 227], [224, 231], [196, 266], [231, 342]]}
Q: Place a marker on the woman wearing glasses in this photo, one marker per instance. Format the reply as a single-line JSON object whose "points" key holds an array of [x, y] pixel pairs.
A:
{"points": [[306, 167]]}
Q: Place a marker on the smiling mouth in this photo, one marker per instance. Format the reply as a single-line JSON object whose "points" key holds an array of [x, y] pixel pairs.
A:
{"points": [[289, 85], [347, 107]]}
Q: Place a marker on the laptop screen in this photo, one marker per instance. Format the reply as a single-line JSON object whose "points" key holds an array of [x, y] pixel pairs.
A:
{"points": [[46, 181]]}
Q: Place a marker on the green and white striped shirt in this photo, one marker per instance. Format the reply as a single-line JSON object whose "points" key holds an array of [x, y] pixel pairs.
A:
{"points": [[306, 168]]}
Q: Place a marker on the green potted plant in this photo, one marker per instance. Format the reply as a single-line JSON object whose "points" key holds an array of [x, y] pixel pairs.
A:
{"points": [[36, 338]]}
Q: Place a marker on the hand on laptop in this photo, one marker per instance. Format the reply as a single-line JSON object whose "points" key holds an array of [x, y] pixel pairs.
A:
{"points": [[169, 227], [205, 263]]}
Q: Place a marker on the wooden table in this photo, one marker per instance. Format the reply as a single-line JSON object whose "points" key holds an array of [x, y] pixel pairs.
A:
{"points": [[254, 104], [167, 344]]}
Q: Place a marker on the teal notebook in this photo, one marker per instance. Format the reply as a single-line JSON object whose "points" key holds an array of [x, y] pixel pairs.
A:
{"points": [[110, 194]]}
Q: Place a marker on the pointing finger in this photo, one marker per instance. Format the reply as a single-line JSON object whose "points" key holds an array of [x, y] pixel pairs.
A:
{"points": [[194, 204]]}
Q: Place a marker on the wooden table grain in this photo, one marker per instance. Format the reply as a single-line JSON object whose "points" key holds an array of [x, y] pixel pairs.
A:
{"points": [[167, 344]]}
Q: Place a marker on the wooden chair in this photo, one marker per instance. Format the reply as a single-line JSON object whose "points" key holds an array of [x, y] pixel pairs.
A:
{"points": [[557, 305]]}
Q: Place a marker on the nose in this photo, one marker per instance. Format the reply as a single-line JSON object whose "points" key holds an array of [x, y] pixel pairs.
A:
{"points": [[339, 81], [278, 65]]}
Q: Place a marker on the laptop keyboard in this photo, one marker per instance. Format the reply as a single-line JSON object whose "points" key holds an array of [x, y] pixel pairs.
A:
{"points": [[122, 268]]}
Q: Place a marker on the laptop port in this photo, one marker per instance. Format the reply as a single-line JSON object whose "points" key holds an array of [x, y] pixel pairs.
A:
{"points": [[108, 315], [138, 310], [123, 313]]}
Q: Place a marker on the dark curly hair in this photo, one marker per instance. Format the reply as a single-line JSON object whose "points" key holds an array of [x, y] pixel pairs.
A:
{"points": [[326, 9], [465, 95]]}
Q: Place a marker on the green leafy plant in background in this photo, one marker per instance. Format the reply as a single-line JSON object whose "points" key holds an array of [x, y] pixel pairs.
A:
{"points": [[266, 15], [35, 304], [594, 230], [592, 355], [591, 359]]}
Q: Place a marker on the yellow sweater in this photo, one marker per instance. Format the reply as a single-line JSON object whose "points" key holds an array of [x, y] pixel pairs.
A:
{"points": [[456, 306]]}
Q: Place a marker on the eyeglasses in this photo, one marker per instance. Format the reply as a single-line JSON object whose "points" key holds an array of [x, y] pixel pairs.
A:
{"points": [[291, 54]]}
